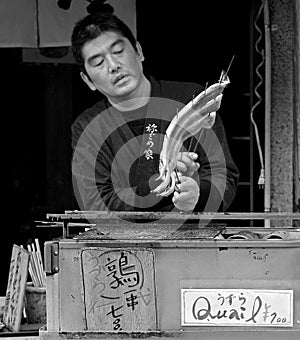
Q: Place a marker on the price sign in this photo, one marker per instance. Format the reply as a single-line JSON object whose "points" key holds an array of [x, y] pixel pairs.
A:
{"points": [[119, 289], [236, 307]]}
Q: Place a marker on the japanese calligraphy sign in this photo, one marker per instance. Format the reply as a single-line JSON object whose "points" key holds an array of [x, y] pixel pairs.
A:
{"points": [[236, 307], [14, 298], [151, 130], [119, 289]]}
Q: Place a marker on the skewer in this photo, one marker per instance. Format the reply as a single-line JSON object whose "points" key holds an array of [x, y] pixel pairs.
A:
{"points": [[205, 87], [193, 100], [177, 118], [228, 68], [190, 144], [32, 275], [192, 107], [176, 173], [189, 117], [37, 266], [40, 261], [36, 269], [225, 73], [35, 276]]}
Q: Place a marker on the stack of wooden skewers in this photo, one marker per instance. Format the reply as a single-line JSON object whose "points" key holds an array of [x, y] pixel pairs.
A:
{"points": [[36, 268]]}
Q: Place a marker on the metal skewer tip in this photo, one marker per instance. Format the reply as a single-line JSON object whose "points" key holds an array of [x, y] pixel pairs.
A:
{"points": [[225, 73]]}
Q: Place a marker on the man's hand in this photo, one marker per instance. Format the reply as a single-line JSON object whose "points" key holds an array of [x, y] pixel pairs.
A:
{"points": [[187, 193], [186, 163]]}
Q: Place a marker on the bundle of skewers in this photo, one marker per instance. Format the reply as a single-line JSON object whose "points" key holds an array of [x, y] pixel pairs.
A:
{"points": [[36, 268], [198, 114]]}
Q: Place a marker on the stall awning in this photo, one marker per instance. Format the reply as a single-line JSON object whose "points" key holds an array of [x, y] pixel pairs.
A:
{"points": [[40, 23]]}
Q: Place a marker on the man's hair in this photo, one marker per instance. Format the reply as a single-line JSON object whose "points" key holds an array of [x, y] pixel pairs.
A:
{"points": [[92, 26]]}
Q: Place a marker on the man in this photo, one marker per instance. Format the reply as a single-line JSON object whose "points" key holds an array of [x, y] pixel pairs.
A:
{"points": [[117, 142]]}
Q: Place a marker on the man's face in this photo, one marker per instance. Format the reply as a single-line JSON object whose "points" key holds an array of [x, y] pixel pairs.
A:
{"points": [[113, 66]]}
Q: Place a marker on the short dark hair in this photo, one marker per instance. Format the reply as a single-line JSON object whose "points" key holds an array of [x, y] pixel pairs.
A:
{"points": [[92, 26]]}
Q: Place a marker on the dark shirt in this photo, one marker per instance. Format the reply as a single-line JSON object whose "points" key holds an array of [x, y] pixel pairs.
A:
{"points": [[116, 154]]}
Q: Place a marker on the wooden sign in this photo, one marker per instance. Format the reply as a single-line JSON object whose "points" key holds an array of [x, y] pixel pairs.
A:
{"points": [[119, 289], [17, 279], [236, 307]]}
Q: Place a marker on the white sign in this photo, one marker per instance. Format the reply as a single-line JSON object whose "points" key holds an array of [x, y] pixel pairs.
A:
{"points": [[236, 307]]}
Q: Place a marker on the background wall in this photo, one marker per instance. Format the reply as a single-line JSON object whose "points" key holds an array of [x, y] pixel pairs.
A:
{"points": [[187, 43]]}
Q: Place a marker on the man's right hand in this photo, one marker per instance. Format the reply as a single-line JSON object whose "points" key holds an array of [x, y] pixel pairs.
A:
{"points": [[187, 194], [186, 163]]}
